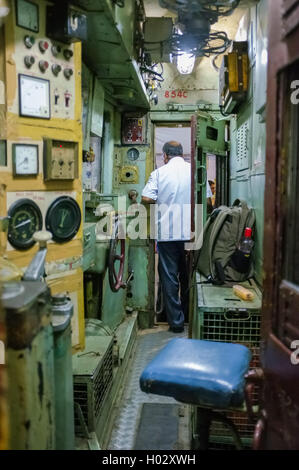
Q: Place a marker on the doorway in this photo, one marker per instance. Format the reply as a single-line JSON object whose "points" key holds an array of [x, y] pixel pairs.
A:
{"points": [[166, 132]]}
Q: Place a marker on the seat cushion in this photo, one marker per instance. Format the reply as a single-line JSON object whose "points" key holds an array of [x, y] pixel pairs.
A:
{"points": [[205, 373]]}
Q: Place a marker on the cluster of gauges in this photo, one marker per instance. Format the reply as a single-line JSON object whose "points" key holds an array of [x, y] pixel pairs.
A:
{"points": [[63, 219]]}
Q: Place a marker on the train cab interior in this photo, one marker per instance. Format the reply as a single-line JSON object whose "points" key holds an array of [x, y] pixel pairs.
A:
{"points": [[90, 91]]}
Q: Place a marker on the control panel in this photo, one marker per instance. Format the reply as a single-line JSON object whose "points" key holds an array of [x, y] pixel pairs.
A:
{"points": [[45, 67], [60, 160], [133, 130]]}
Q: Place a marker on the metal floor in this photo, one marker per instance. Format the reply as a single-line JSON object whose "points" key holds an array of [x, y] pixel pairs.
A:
{"points": [[149, 342]]}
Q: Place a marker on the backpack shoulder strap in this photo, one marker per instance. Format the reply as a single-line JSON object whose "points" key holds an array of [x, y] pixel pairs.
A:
{"points": [[214, 234]]}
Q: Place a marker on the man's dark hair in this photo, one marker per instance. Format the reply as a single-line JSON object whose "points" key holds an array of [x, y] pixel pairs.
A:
{"points": [[211, 182], [173, 149]]}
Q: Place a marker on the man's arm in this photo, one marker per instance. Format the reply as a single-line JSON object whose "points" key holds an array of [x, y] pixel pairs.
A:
{"points": [[150, 191], [147, 200]]}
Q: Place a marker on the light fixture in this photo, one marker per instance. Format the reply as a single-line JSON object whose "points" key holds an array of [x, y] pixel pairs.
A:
{"points": [[4, 10], [185, 63]]}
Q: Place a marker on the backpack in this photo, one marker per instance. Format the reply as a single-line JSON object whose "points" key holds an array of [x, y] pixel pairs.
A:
{"points": [[219, 258]]}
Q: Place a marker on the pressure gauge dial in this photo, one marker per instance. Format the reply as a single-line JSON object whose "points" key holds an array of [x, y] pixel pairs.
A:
{"points": [[63, 219], [133, 154], [27, 15], [25, 218], [25, 159]]}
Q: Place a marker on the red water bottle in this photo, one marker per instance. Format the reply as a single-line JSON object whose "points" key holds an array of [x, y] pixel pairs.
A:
{"points": [[247, 243]]}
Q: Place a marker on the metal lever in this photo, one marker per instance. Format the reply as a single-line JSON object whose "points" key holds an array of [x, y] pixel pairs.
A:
{"points": [[36, 269]]}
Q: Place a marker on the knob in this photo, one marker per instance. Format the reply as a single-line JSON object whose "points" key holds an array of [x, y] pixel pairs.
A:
{"points": [[68, 54], [43, 46], [55, 50], [43, 65], [56, 68], [29, 61], [42, 237], [68, 73], [29, 41]]}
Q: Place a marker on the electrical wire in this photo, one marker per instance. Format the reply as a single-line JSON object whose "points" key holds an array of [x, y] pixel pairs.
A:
{"points": [[199, 44]]}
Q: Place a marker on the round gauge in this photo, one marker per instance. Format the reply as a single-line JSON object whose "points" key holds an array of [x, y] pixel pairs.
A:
{"points": [[25, 218], [133, 154], [63, 219], [25, 159]]}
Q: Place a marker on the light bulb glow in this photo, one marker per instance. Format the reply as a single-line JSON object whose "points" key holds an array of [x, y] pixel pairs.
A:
{"points": [[185, 63], [264, 57]]}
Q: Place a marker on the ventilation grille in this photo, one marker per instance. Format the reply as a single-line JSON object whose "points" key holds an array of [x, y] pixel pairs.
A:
{"points": [[243, 147], [90, 392]]}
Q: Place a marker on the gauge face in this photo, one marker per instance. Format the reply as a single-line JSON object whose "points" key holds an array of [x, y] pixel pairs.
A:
{"points": [[63, 219], [27, 15], [34, 97], [133, 154], [25, 219], [25, 159]]}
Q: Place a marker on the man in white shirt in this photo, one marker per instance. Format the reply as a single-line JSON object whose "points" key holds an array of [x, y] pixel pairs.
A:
{"points": [[169, 187]]}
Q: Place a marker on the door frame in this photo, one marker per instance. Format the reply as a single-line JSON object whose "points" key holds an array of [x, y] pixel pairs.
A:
{"points": [[275, 429]]}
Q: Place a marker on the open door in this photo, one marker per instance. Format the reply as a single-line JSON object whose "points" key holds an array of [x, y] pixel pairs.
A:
{"points": [[278, 427], [208, 139], [210, 150]]}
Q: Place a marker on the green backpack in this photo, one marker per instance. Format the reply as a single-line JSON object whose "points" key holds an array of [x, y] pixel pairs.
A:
{"points": [[219, 258]]}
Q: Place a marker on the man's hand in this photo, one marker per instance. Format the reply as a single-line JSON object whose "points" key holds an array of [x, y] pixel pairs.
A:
{"points": [[147, 200]]}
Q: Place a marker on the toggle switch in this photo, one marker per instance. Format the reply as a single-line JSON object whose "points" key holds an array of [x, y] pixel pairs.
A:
{"points": [[68, 54], [68, 73], [56, 49], [43, 46], [29, 41], [43, 65], [56, 69], [29, 61], [67, 101]]}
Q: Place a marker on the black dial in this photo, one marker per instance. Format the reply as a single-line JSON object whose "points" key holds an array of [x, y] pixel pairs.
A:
{"points": [[25, 219], [133, 154], [63, 219]]}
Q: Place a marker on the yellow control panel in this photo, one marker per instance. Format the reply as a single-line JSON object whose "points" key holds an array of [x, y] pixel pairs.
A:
{"points": [[41, 148]]}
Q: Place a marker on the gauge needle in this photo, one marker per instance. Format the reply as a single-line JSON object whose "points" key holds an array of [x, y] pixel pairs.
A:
{"points": [[63, 216], [24, 161], [23, 223]]}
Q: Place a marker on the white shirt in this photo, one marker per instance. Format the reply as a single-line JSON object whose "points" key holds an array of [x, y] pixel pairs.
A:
{"points": [[170, 187]]}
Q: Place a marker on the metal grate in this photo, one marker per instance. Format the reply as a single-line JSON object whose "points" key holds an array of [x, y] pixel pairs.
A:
{"points": [[90, 391], [219, 432], [103, 380], [243, 327], [234, 327], [80, 397]]}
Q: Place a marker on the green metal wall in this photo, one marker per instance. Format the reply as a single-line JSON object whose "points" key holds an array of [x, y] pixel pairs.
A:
{"points": [[248, 129]]}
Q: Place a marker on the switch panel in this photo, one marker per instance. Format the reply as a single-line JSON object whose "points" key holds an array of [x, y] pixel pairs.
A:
{"points": [[60, 160], [133, 130], [42, 57]]}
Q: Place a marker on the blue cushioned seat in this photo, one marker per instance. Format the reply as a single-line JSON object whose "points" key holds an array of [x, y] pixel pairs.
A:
{"points": [[203, 373]]}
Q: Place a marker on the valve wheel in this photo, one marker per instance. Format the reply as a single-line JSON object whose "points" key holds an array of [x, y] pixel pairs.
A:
{"points": [[116, 277]]}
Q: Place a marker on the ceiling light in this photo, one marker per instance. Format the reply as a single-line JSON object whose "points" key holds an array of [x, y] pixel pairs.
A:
{"points": [[185, 63]]}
